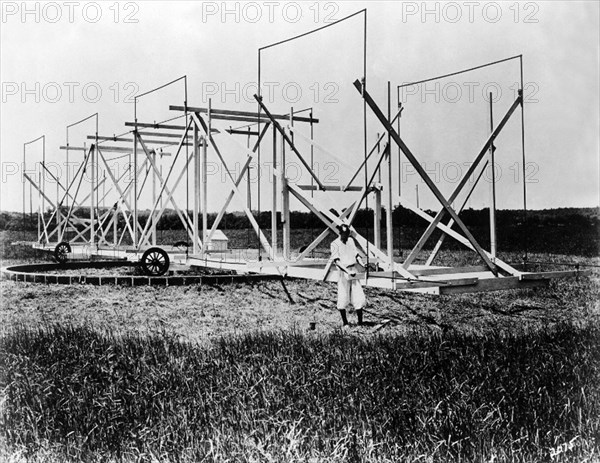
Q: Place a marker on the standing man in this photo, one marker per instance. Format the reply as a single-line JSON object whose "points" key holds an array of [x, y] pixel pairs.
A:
{"points": [[344, 256]]}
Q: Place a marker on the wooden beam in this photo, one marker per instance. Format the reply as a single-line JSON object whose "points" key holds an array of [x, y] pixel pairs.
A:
{"points": [[552, 275], [253, 133], [239, 115], [494, 284], [73, 148], [377, 220], [197, 199], [130, 140], [340, 188], [163, 134], [107, 148], [285, 203], [146, 125], [288, 140], [448, 270], [389, 228], [456, 283], [274, 238]]}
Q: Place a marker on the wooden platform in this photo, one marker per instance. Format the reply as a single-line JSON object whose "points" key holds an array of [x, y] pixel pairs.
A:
{"points": [[427, 279]]}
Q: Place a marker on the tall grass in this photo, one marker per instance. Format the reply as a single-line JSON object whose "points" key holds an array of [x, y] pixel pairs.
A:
{"points": [[77, 394]]}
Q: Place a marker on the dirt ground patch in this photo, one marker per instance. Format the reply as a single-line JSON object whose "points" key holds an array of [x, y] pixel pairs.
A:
{"points": [[200, 313]]}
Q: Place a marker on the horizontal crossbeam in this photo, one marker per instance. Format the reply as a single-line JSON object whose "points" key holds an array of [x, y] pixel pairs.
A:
{"points": [[246, 116], [330, 188], [148, 125], [130, 140]]}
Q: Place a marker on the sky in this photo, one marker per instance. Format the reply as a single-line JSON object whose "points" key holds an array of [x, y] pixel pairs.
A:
{"points": [[61, 62]]}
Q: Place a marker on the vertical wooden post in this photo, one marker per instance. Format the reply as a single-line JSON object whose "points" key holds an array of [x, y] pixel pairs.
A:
{"points": [[492, 189], [390, 206], [92, 196], [400, 109], [67, 172], [95, 189], [57, 205], [135, 185], [285, 199], [248, 186], [115, 226], [153, 199], [312, 155], [39, 223], [42, 180], [205, 179], [377, 209], [24, 189], [377, 218], [83, 172], [30, 202], [274, 198], [197, 186]]}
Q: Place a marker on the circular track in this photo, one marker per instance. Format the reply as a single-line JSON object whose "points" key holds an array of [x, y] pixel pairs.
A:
{"points": [[60, 252], [155, 262]]}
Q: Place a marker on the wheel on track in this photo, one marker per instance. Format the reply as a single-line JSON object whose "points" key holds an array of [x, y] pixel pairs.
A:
{"points": [[155, 262], [60, 252]]}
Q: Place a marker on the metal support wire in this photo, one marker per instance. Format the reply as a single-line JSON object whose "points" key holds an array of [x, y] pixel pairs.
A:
{"points": [[459, 72]]}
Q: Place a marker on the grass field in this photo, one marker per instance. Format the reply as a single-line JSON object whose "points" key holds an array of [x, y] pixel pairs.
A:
{"points": [[232, 373]]}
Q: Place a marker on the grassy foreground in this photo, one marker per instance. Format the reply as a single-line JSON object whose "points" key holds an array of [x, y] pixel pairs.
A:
{"points": [[80, 394]]}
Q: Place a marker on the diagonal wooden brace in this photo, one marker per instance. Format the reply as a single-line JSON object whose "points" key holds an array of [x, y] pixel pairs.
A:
{"points": [[421, 171], [440, 215], [324, 234], [332, 221], [288, 141]]}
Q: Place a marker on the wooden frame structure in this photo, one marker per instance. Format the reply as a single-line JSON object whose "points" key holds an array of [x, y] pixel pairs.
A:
{"points": [[198, 138], [200, 134]]}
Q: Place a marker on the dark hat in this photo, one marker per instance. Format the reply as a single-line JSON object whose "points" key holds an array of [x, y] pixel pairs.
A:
{"points": [[343, 225]]}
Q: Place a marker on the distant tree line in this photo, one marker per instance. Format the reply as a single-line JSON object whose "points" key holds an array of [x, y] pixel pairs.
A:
{"points": [[574, 217]]}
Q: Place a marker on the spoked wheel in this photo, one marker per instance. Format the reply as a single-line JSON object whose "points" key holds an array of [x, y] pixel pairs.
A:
{"points": [[61, 250], [155, 262]]}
